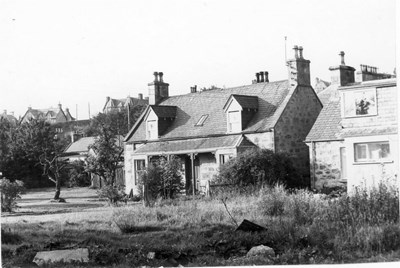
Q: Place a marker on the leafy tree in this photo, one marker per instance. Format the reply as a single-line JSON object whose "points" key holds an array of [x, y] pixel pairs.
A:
{"points": [[117, 121], [31, 153], [107, 153], [212, 87], [260, 167], [10, 192], [163, 178]]}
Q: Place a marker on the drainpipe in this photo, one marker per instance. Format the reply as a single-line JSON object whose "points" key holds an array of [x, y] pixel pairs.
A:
{"points": [[313, 162], [193, 175]]}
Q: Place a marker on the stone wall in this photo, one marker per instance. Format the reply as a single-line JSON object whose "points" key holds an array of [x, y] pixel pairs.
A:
{"points": [[262, 140], [325, 168], [294, 124]]}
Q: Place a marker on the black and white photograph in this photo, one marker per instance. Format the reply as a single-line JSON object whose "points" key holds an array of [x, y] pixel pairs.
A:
{"points": [[201, 133]]}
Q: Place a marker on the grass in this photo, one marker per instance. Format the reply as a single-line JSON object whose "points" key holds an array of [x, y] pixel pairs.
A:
{"points": [[302, 228]]}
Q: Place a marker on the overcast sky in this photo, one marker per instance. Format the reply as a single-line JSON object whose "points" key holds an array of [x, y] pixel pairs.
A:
{"points": [[79, 52]]}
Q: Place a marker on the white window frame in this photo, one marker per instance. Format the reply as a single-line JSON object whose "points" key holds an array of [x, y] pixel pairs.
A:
{"points": [[368, 152], [151, 134], [234, 127], [201, 121], [138, 172], [349, 102]]}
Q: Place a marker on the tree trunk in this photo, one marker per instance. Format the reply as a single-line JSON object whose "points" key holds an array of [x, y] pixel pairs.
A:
{"points": [[58, 189]]}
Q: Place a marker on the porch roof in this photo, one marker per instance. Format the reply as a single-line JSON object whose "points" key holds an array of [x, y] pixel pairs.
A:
{"points": [[190, 145]]}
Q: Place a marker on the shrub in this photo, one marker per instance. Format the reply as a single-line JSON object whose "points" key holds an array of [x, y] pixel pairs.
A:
{"points": [[163, 178], [272, 200], [10, 192], [113, 193], [77, 175], [259, 167]]}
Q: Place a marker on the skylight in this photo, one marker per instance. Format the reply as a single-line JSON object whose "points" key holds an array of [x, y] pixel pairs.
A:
{"points": [[202, 120]]}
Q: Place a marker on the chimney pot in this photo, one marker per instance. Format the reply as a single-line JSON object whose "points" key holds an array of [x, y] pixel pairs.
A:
{"points": [[140, 96], [258, 77], [155, 76], [266, 79], [301, 52], [341, 54], [261, 76], [296, 49], [160, 74]]}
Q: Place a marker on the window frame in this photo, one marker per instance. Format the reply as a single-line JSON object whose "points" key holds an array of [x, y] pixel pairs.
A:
{"points": [[136, 166], [368, 152], [230, 123], [349, 102], [201, 121]]}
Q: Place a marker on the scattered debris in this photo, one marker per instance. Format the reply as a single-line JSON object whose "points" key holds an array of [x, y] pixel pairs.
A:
{"points": [[151, 255], [66, 256], [261, 251], [248, 226]]}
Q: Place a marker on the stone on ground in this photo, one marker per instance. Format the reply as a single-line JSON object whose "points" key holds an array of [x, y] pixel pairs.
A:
{"points": [[261, 251], [66, 256]]}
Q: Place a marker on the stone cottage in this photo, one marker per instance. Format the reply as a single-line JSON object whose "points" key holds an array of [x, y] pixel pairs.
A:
{"points": [[354, 139], [205, 129]]}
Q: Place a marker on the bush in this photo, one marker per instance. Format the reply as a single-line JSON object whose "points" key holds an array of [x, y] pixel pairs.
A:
{"points": [[10, 192], [114, 194], [77, 175], [163, 178], [272, 200], [260, 167]]}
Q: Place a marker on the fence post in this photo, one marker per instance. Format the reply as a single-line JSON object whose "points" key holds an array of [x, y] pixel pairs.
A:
{"points": [[208, 188]]}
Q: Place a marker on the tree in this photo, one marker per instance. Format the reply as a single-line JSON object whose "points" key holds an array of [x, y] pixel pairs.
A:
{"points": [[260, 167], [32, 153], [107, 153]]}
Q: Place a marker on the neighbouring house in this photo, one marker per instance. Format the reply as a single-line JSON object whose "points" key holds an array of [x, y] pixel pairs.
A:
{"points": [[320, 85], [205, 129], [354, 139], [9, 117], [80, 150], [118, 105], [51, 115], [72, 130]]}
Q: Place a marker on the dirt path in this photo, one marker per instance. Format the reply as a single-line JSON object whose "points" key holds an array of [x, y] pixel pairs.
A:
{"points": [[36, 206]]}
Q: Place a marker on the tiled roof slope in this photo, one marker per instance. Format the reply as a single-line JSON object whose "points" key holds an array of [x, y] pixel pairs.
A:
{"points": [[164, 111], [328, 124], [81, 145], [272, 98], [191, 144], [250, 102]]}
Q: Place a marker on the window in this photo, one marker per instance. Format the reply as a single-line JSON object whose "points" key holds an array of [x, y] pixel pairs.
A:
{"points": [[152, 130], [140, 168], [223, 158], [202, 120], [370, 152], [360, 103], [234, 124]]}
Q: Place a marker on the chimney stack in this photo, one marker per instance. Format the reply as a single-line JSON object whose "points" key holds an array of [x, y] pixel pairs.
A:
{"points": [[158, 89], [193, 89], [261, 77], [266, 79], [258, 77], [140, 96], [342, 74], [299, 69]]}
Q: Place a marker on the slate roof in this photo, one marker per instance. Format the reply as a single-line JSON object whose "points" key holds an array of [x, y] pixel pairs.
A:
{"points": [[121, 102], [272, 99], [369, 131], [248, 102], [80, 146], [164, 111], [189, 145]]}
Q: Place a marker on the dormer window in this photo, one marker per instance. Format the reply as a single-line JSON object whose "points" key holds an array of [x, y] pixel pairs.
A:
{"points": [[234, 121], [239, 110], [360, 103], [201, 120], [152, 132]]}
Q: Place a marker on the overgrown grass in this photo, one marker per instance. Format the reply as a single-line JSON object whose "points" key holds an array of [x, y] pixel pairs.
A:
{"points": [[302, 227]]}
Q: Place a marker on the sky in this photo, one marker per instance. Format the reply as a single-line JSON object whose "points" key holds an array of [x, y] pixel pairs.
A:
{"points": [[79, 52]]}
